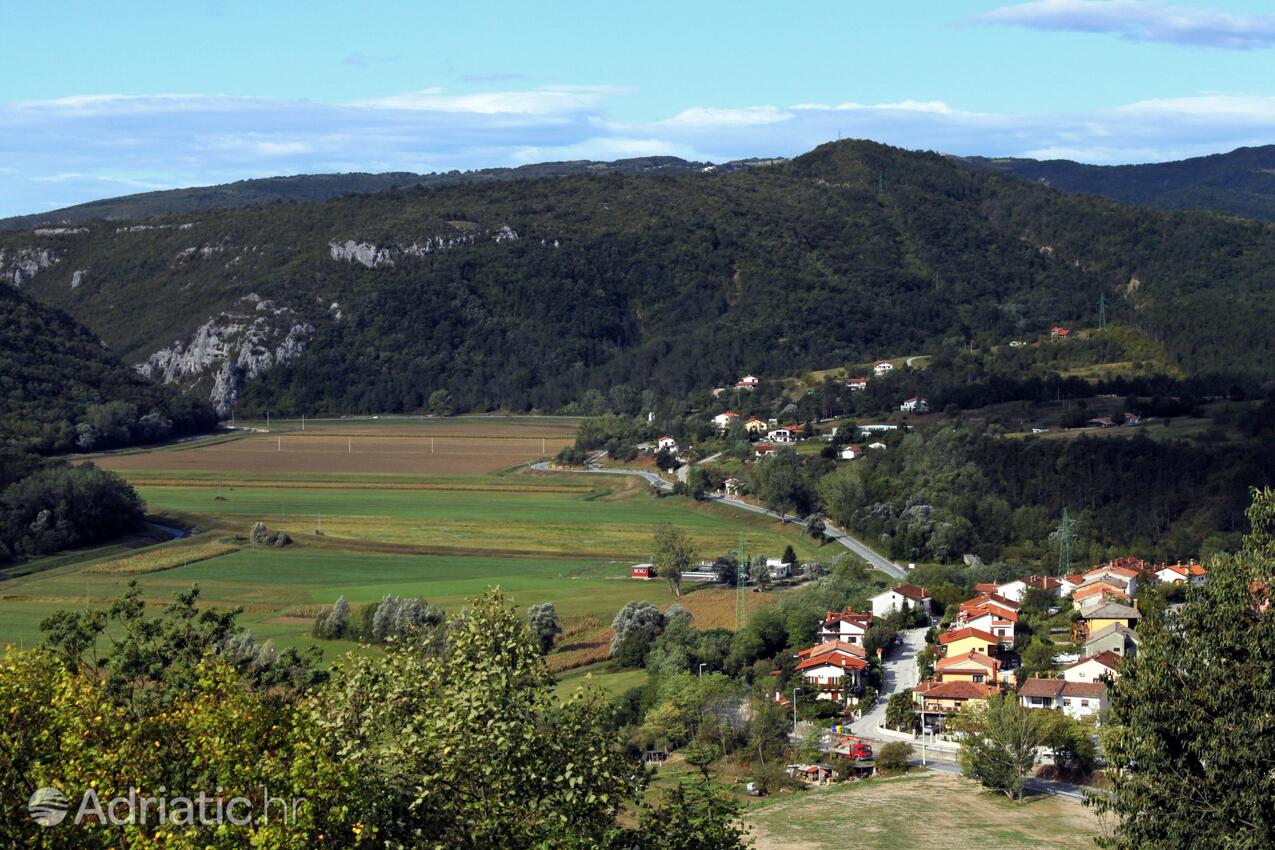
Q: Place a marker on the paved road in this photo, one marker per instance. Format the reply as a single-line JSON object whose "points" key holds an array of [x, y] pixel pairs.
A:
{"points": [[858, 547], [898, 673]]}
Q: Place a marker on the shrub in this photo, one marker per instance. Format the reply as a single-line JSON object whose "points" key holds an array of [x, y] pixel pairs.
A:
{"points": [[894, 756]]}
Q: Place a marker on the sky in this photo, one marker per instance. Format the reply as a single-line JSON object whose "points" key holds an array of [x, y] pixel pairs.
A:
{"points": [[105, 99]]}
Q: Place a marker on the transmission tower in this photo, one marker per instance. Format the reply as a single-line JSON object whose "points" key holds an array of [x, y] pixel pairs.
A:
{"points": [[1066, 534]]}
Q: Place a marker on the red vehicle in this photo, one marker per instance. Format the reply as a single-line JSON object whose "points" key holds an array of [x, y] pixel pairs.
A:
{"points": [[854, 748]]}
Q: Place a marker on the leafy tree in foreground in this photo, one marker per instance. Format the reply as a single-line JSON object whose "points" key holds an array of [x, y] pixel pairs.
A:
{"points": [[1189, 735], [1000, 739]]}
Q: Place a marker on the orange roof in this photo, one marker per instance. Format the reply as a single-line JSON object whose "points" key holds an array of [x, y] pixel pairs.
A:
{"points": [[956, 690], [848, 616], [911, 591], [831, 646], [990, 598], [1106, 658], [1098, 589], [973, 656], [961, 634], [986, 587], [992, 609], [835, 658]]}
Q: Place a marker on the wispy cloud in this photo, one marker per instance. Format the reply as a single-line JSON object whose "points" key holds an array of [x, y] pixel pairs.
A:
{"points": [[73, 149], [1141, 20]]}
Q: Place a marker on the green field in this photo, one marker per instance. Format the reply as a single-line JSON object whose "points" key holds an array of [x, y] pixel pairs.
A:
{"points": [[444, 536]]}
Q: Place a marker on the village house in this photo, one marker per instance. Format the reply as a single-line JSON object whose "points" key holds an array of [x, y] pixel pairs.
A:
{"points": [[756, 426], [748, 382], [1090, 596], [852, 452], [876, 446], [731, 487], [1112, 613], [1191, 573], [915, 405], [1074, 699], [972, 666], [857, 384], [832, 669], [943, 699], [1115, 638], [1069, 583], [848, 626], [723, 421], [1094, 668], [883, 604], [789, 434], [1018, 587], [1059, 332], [666, 444], [992, 618], [764, 449], [968, 639], [1125, 575], [885, 367]]}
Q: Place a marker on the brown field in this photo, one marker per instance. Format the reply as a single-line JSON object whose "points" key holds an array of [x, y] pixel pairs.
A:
{"points": [[388, 449]]}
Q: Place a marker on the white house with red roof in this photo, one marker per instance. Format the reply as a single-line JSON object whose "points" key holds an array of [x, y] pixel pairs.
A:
{"points": [[764, 449], [883, 604], [857, 384], [1074, 699], [1180, 573], [748, 382], [666, 444], [851, 452], [885, 367], [1017, 588], [1095, 668], [723, 421], [848, 626], [832, 668]]}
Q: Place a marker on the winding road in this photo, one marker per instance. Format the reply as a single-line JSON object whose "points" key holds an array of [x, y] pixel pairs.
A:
{"points": [[836, 535]]}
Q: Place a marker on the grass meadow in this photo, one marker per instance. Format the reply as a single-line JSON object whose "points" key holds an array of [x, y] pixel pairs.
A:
{"points": [[441, 531]]}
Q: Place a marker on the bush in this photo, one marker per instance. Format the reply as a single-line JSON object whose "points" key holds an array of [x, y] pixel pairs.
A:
{"points": [[894, 756]]}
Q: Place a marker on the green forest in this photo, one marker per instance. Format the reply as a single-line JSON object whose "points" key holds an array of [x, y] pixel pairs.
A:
{"points": [[670, 283]]}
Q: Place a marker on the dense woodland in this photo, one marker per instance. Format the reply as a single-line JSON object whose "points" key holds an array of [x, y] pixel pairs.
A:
{"points": [[672, 284], [62, 390]]}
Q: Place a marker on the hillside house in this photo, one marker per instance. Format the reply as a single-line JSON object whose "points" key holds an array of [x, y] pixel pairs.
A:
{"points": [[755, 426], [944, 699], [876, 446], [1058, 332], [723, 421], [852, 452], [1115, 638], [883, 604], [885, 367], [1090, 596], [764, 449], [784, 435], [1017, 588], [1068, 583], [848, 626], [1074, 699], [748, 382], [1094, 668], [991, 618], [967, 639], [731, 487], [1113, 613], [972, 666], [857, 384], [667, 444], [915, 405], [832, 670], [1191, 573]]}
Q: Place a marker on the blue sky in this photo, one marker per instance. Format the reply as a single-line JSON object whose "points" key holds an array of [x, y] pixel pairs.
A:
{"points": [[101, 99]]}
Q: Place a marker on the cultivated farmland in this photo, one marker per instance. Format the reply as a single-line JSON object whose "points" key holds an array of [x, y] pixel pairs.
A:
{"points": [[373, 511]]}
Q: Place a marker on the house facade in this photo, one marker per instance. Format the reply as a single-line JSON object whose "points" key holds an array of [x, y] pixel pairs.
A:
{"points": [[883, 604], [885, 367], [1077, 700], [832, 670], [848, 626], [915, 405], [1094, 668]]}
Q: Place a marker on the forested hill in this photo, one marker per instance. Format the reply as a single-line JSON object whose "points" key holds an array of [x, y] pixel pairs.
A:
{"points": [[61, 390], [1240, 182], [526, 294], [305, 188]]}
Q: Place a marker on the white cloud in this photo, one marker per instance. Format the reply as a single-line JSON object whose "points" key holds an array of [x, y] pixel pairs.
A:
{"points": [[69, 150], [1141, 20]]}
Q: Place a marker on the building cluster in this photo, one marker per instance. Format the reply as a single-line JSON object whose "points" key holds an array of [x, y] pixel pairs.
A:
{"points": [[975, 652]]}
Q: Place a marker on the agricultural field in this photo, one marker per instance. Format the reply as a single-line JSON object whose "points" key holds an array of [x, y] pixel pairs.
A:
{"points": [[388, 516], [956, 814]]}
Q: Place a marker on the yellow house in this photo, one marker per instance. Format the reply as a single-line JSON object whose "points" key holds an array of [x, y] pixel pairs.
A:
{"points": [[1113, 613], [961, 641], [972, 666]]}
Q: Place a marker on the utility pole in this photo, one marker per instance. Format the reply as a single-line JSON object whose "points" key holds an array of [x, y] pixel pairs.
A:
{"points": [[351, 445], [1066, 533], [267, 420], [740, 575], [1102, 311], [795, 691], [302, 421], [280, 444]]}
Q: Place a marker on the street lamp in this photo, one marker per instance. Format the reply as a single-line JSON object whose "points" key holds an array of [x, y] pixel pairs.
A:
{"points": [[795, 691], [701, 670]]}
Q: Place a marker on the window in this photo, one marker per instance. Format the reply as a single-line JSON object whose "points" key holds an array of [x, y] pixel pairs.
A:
{"points": [[1066, 701], [977, 677], [1084, 703]]}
